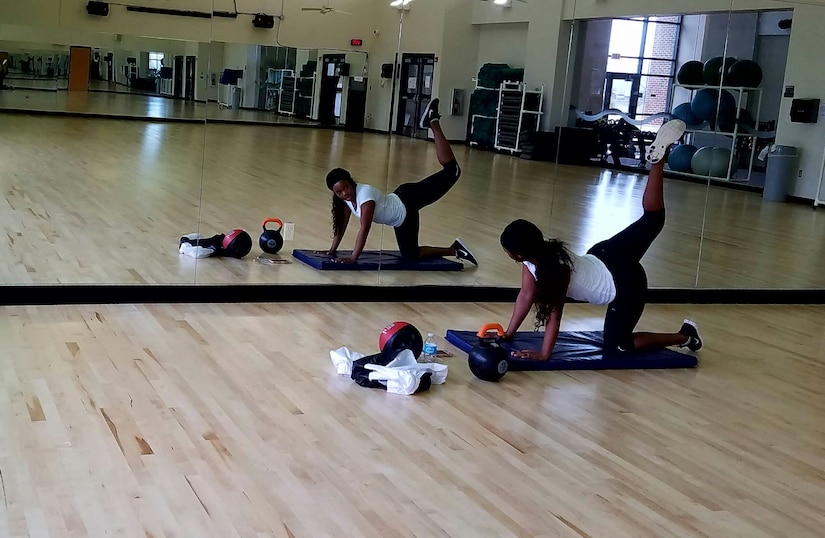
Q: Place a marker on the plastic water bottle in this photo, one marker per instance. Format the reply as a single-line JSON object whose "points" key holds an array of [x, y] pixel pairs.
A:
{"points": [[430, 349]]}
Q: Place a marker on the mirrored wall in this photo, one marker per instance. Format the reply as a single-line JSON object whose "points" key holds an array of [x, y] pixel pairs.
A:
{"points": [[116, 146]]}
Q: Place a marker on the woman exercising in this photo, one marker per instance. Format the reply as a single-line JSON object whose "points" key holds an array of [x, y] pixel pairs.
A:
{"points": [[400, 208], [609, 274]]}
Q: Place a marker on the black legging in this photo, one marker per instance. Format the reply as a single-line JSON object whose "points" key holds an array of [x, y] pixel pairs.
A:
{"points": [[416, 196], [622, 255]]}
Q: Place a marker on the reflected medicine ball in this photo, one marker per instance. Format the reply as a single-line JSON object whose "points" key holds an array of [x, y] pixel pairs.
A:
{"points": [[237, 244], [398, 336]]}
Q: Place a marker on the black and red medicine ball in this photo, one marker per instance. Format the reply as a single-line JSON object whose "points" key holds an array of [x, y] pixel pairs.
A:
{"points": [[237, 244], [400, 335]]}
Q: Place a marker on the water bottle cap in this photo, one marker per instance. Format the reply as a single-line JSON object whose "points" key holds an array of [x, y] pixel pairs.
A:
{"points": [[429, 334]]}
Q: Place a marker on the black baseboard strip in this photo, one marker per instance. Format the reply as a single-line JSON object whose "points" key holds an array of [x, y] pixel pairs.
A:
{"points": [[193, 293]]}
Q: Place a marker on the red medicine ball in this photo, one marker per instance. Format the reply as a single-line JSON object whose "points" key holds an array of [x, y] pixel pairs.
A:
{"points": [[237, 243], [400, 335]]}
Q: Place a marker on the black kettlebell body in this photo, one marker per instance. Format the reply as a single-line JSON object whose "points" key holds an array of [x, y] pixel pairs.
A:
{"points": [[271, 241], [489, 361]]}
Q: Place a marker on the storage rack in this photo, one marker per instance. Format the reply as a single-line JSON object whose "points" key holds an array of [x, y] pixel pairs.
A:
{"points": [[519, 114]]}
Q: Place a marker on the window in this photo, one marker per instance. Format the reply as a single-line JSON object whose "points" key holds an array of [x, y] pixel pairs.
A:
{"points": [[641, 64], [155, 61]]}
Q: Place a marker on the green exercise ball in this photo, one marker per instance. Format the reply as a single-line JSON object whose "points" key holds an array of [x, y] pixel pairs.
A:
{"points": [[711, 161]]}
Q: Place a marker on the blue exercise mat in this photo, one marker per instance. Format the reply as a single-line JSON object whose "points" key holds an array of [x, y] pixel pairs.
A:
{"points": [[372, 260], [579, 350]]}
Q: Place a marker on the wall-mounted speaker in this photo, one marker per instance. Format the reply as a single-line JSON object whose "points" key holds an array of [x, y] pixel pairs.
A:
{"points": [[804, 110], [263, 20], [100, 9]]}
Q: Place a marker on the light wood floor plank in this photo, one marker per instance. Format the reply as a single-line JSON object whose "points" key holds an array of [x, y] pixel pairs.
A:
{"points": [[228, 420]]}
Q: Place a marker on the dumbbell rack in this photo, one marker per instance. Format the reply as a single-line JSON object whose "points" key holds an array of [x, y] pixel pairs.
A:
{"points": [[516, 116]]}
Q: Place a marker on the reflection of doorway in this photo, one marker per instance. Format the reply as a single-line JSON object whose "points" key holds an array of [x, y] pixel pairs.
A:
{"points": [[329, 100], [80, 59], [190, 78], [417, 73], [621, 92], [110, 67], [178, 77]]}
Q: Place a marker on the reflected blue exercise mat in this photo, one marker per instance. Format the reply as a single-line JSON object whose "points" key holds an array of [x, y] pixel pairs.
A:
{"points": [[578, 350], [373, 260]]}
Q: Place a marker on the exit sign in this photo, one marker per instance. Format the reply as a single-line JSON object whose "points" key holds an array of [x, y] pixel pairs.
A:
{"points": [[356, 42]]}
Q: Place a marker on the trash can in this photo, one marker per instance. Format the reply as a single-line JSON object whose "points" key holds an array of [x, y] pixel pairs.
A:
{"points": [[783, 162], [236, 97]]}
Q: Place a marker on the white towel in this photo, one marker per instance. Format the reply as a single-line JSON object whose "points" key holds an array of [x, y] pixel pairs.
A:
{"points": [[342, 359]]}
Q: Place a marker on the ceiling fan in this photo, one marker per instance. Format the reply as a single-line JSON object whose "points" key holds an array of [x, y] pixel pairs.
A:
{"points": [[325, 9]]}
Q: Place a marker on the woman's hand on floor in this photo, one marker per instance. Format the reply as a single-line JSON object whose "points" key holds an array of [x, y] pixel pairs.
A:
{"points": [[529, 354]]}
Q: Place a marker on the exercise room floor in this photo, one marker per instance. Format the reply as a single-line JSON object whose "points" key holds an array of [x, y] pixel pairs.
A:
{"points": [[106, 201], [229, 420], [119, 102]]}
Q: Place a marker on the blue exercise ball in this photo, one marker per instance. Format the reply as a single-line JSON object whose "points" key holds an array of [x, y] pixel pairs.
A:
{"points": [[683, 112], [711, 161], [680, 158], [704, 104], [727, 105]]}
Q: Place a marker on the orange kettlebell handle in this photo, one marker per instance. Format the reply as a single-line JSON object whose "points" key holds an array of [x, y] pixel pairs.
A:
{"points": [[482, 332], [273, 219]]}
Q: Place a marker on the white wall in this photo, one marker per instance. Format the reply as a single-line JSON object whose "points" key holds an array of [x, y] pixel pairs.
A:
{"points": [[805, 71], [458, 61], [299, 28], [502, 43], [423, 33]]}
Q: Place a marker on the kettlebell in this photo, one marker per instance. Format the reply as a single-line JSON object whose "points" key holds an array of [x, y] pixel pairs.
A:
{"points": [[271, 241], [489, 361]]}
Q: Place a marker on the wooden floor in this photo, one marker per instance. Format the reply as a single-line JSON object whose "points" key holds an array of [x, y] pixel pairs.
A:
{"points": [[105, 201], [228, 420], [117, 101]]}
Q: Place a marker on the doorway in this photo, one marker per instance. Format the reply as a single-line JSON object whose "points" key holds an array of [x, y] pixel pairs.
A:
{"points": [[190, 78], [329, 99], [415, 93], [80, 59], [178, 77], [621, 92]]}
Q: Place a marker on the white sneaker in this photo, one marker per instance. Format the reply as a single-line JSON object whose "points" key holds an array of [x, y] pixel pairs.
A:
{"points": [[668, 133], [430, 114]]}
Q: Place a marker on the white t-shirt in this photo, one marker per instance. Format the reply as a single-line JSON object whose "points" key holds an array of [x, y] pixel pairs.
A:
{"points": [[590, 280], [389, 209]]}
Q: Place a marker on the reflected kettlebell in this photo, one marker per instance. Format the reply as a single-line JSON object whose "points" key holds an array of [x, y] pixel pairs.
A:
{"points": [[271, 241], [489, 361]]}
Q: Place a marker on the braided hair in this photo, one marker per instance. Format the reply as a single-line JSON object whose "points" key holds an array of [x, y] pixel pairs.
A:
{"points": [[524, 240], [339, 207]]}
